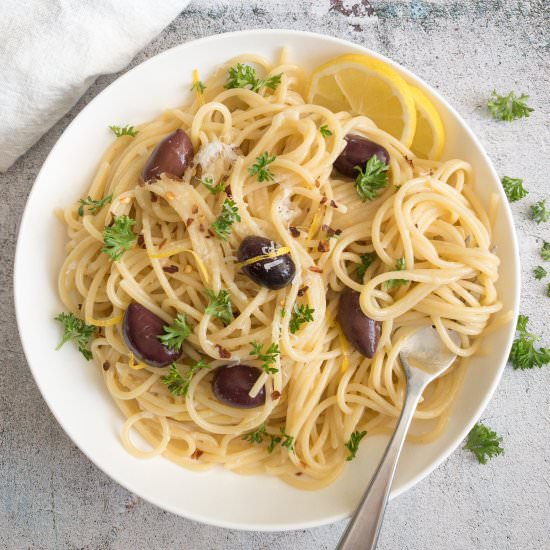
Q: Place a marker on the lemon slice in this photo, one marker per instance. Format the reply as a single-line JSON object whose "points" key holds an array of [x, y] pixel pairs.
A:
{"points": [[429, 138], [366, 86]]}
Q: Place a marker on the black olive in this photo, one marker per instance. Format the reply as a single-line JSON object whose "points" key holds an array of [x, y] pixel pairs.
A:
{"points": [[171, 156], [361, 331], [232, 384], [357, 152], [141, 330], [273, 273]]}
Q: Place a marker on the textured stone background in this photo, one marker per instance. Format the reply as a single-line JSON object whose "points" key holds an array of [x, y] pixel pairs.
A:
{"points": [[51, 496]]}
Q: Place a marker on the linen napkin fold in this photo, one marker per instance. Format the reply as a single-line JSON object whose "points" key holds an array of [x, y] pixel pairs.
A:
{"points": [[52, 50]]}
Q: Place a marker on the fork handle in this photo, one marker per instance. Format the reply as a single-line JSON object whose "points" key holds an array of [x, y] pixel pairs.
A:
{"points": [[364, 527]]}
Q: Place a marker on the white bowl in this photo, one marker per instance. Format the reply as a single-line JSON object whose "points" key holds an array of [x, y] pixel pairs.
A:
{"points": [[73, 388]]}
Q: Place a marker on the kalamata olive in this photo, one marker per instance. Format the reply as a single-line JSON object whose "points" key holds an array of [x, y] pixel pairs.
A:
{"points": [[361, 331], [232, 384], [171, 156], [273, 273], [357, 152], [141, 330]]}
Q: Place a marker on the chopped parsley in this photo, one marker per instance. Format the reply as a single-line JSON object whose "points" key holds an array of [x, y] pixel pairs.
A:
{"points": [[118, 237], [539, 213], [524, 354], [513, 187], [93, 206], [366, 261], [268, 358], [548, 290], [175, 334], [484, 443], [177, 383], [230, 215], [260, 167], [288, 441], [76, 329], [301, 313], [353, 444], [256, 436], [396, 283], [370, 180], [539, 272], [198, 87], [545, 251], [208, 182], [508, 107], [244, 76], [325, 131], [219, 305], [124, 130]]}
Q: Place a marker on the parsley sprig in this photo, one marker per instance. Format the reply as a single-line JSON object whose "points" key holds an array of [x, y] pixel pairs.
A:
{"points": [[268, 358], [256, 436], [76, 329], [244, 76], [524, 354], [325, 131], [219, 305], [208, 182], [539, 213], [508, 107], [400, 265], [353, 444], [366, 261], [539, 272], [301, 313], [124, 130], [513, 187], [545, 251], [370, 180], [118, 237], [229, 215], [260, 167], [484, 443], [176, 333], [177, 383], [93, 206]]}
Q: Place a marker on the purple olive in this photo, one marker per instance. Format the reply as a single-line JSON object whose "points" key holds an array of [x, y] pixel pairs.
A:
{"points": [[361, 331], [273, 273], [232, 384], [357, 152], [171, 156], [141, 330]]}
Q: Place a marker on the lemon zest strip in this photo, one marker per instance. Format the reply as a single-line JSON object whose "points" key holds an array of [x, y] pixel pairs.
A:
{"points": [[274, 254]]}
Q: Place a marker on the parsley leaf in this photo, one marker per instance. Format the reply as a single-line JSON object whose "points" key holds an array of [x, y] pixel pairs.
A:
{"points": [[539, 212], [484, 443], [513, 187], [259, 168], [244, 76], [208, 182], [396, 283], [175, 334], [177, 383], [508, 107], [198, 87], [373, 178], [523, 354], [548, 290], [545, 251], [274, 441], [301, 313], [229, 215], [268, 358], [325, 131], [288, 440], [256, 436], [539, 272], [76, 329], [124, 130], [93, 206], [353, 444], [219, 305], [118, 237], [366, 260]]}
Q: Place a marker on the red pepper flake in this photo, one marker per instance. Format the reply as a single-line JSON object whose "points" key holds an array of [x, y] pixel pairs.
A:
{"points": [[294, 231], [224, 354], [317, 184], [163, 242], [211, 233], [195, 209], [275, 395], [154, 198], [315, 269], [141, 241], [303, 290], [106, 365], [333, 204], [228, 191], [189, 221], [409, 161], [299, 474], [79, 306], [323, 246], [197, 454], [324, 199], [201, 227], [170, 269]]}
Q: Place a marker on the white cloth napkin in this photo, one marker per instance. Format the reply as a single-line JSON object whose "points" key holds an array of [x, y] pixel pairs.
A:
{"points": [[52, 50]]}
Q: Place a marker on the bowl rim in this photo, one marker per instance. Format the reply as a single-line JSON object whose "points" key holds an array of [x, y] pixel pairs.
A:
{"points": [[506, 211]]}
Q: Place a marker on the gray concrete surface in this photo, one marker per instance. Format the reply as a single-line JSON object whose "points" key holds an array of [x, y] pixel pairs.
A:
{"points": [[51, 496]]}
